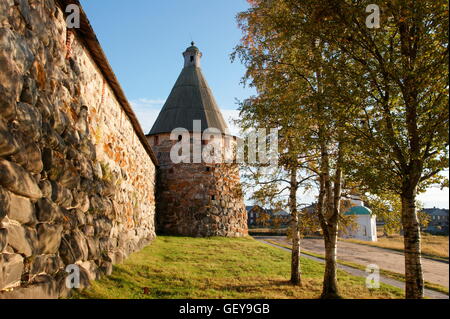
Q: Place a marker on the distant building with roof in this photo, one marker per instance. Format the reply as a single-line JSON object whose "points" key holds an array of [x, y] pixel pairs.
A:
{"points": [[280, 216], [438, 219], [255, 212]]}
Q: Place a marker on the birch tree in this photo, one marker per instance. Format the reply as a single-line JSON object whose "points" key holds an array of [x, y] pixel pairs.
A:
{"points": [[396, 88], [292, 75]]}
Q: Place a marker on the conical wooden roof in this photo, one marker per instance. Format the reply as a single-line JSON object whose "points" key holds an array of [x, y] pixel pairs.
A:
{"points": [[190, 99]]}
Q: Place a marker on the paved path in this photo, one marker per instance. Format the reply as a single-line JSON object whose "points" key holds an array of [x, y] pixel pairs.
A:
{"points": [[353, 271], [434, 271]]}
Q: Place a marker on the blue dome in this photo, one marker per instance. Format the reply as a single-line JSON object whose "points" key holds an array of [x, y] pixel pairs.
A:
{"points": [[358, 210]]}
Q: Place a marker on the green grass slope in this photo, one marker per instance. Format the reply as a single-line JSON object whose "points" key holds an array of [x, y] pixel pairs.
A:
{"points": [[203, 268]]}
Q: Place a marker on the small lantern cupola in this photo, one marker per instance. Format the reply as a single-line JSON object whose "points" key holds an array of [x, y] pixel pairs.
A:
{"points": [[192, 56]]}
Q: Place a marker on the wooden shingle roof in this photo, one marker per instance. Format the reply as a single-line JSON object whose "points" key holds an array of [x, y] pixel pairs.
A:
{"points": [[190, 99]]}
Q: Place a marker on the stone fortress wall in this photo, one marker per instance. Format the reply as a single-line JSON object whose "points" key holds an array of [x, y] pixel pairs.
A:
{"points": [[197, 199], [77, 177]]}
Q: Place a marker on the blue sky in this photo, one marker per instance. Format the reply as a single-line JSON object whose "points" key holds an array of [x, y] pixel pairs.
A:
{"points": [[144, 41]]}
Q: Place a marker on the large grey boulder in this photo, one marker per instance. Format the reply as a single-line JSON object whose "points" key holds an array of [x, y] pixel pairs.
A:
{"points": [[7, 100], [21, 209], [29, 157], [48, 264], [80, 200], [11, 268], [44, 105], [93, 245], [47, 211], [100, 205], [46, 188], [18, 181], [52, 139], [60, 121], [49, 238], [4, 203], [29, 91], [61, 195], [71, 136], [21, 239], [10, 86], [73, 248], [54, 163], [42, 287], [88, 230], [29, 120], [15, 51], [106, 268], [70, 177], [8, 144], [3, 239], [91, 269], [60, 169], [103, 227]]}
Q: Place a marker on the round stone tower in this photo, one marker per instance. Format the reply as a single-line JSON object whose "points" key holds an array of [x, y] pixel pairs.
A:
{"points": [[196, 196]]}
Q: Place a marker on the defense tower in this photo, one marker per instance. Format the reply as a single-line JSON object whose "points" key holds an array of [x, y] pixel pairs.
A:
{"points": [[195, 198]]}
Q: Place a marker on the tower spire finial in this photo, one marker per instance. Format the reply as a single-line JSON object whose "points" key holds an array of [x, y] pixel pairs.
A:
{"points": [[192, 56]]}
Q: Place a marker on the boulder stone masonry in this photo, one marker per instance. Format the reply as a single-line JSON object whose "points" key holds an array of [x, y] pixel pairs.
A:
{"points": [[197, 199], [77, 177]]}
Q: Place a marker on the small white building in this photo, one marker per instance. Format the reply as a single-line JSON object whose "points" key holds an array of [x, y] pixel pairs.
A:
{"points": [[366, 222]]}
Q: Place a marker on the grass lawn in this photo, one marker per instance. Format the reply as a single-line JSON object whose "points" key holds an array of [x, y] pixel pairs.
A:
{"points": [[432, 246], [267, 231], [180, 267]]}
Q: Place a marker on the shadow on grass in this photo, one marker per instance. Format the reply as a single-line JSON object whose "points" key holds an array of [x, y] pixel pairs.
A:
{"points": [[270, 284]]}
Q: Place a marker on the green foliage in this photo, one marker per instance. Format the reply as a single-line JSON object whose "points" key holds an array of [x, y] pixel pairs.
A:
{"points": [[388, 207], [276, 222], [310, 223], [369, 105], [263, 219], [386, 87], [106, 172]]}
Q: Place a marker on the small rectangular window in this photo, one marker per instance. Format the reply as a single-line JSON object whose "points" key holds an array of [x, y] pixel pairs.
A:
{"points": [[156, 140]]}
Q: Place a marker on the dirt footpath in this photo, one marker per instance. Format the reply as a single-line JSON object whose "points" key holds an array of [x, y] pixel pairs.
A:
{"points": [[433, 271]]}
